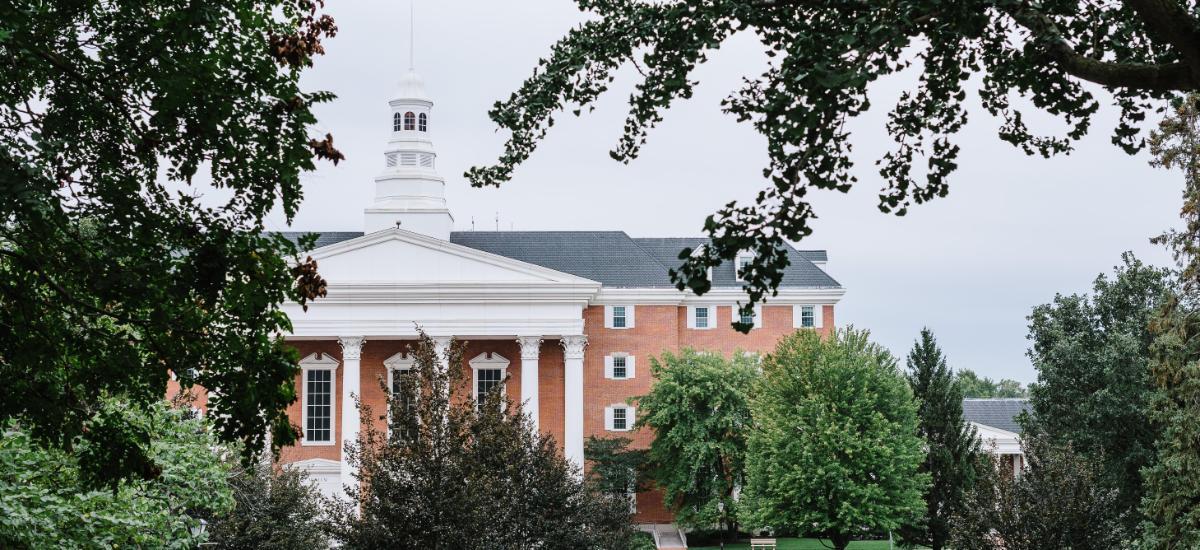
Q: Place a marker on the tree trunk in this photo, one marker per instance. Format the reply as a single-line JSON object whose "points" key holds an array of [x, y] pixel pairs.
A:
{"points": [[840, 540]]}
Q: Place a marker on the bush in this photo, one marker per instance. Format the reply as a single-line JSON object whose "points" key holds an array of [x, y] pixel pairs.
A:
{"points": [[273, 510]]}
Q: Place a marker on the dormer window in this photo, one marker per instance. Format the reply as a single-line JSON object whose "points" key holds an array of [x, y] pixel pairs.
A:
{"points": [[422, 122], [410, 121], [396, 122], [742, 262]]}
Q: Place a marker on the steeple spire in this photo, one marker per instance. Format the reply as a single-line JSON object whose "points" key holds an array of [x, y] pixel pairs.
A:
{"points": [[409, 193]]}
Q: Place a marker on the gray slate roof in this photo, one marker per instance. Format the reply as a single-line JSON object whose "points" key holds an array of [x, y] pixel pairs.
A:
{"points": [[997, 413], [611, 258]]}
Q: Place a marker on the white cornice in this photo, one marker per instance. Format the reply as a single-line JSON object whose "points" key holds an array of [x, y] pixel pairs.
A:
{"points": [[459, 292], [313, 329], [670, 296]]}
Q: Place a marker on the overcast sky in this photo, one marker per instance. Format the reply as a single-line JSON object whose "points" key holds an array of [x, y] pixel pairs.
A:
{"points": [[1014, 230]]}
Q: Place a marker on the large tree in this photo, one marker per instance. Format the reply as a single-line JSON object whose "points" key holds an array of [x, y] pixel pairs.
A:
{"points": [[834, 448], [1094, 388], [977, 386], [1172, 484], [115, 271], [699, 411], [449, 472], [824, 56], [952, 448]]}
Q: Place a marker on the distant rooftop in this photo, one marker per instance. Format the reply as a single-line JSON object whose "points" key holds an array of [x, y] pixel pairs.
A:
{"points": [[999, 413], [611, 258]]}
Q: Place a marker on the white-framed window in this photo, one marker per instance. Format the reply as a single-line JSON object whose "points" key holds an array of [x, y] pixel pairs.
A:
{"points": [[632, 493], [410, 121], [318, 381], [396, 122], [702, 317], [619, 418], [740, 264], [618, 316], [489, 370], [808, 316], [422, 122], [755, 320], [399, 368], [619, 366]]}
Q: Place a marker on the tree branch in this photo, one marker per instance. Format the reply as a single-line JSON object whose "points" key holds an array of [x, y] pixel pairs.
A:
{"points": [[1169, 22]]}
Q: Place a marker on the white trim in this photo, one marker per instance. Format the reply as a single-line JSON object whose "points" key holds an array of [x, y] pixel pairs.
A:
{"points": [[672, 297], [488, 360], [399, 361], [610, 420], [318, 361], [798, 315], [758, 315], [710, 318], [630, 321], [610, 366], [737, 261]]}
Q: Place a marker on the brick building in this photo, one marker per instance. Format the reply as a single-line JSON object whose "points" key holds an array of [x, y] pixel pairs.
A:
{"points": [[570, 319]]}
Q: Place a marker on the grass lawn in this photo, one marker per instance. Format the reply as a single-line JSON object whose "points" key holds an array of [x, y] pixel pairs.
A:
{"points": [[804, 544]]}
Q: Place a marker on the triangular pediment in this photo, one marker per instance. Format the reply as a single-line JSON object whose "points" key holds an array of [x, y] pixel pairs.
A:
{"points": [[401, 257]]}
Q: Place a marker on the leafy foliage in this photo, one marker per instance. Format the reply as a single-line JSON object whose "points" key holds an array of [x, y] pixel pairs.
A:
{"points": [[977, 386], [45, 501], [1094, 387], [452, 475], [1172, 483], [823, 57], [113, 272], [952, 447], [1057, 502], [615, 468], [699, 410], [834, 449], [273, 510]]}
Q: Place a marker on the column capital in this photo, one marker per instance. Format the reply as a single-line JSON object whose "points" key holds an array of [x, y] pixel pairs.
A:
{"points": [[573, 346], [351, 347], [530, 346]]}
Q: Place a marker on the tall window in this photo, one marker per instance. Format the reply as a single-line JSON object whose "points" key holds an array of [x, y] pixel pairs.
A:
{"points": [[422, 122], [619, 370], [620, 418], [318, 405], [396, 122], [807, 316], [619, 320], [487, 380], [701, 316], [404, 389], [410, 121]]}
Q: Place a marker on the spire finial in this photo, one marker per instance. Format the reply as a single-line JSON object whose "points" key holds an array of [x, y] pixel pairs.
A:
{"points": [[412, 26]]}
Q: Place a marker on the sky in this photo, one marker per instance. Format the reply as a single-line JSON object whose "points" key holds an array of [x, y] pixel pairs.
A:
{"points": [[1014, 230]]}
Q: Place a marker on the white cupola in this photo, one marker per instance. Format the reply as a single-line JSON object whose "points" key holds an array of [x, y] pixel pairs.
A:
{"points": [[409, 191]]}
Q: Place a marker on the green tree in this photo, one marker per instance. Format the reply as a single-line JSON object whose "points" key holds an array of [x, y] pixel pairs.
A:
{"points": [[977, 386], [1094, 388], [114, 273], [834, 448], [1057, 502], [1172, 483], [47, 502], [699, 411], [952, 448], [823, 58], [454, 474], [274, 509], [615, 468]]}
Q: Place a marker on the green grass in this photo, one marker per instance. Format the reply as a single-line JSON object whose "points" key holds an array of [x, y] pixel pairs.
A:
{"points": [[804, 544]]}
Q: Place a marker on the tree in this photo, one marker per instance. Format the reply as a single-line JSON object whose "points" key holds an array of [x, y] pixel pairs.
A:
{"points": [[1172, 483], [834, 448], [449, 473], [823, 57], [952, 448], [273, 510], [1094, 387], [977, 386], [699, 410], [1057, 502], [47, 501], [616, 469], [114, 273]]}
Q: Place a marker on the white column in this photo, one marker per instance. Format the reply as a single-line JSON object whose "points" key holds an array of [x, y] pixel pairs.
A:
{"points": [[530, 349], [441, 344], [351, 354], [573, 398]]}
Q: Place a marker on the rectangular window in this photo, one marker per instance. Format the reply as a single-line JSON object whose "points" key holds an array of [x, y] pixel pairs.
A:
{"points": [[701, 317], [619, 370], [618, 317], [487, 380], [318, 405], [807, 316], [620, 421], [741, 263], [747, 319]]}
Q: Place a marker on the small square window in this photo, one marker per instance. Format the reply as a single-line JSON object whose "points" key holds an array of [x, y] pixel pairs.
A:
{"points": [[618, 317], [808, 316], [619, 370], [701, 317], [620, 419]]}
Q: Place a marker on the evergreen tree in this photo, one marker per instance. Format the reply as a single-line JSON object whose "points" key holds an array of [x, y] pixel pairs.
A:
{"points": [[953, 449]]}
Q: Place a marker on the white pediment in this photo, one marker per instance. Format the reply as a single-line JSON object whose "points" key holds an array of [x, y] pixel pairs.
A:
{"points": [[397, 256]]}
